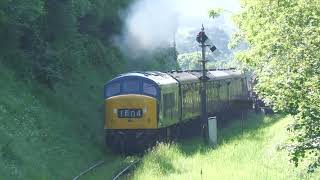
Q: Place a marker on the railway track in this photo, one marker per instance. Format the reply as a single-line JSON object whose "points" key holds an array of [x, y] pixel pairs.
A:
{"points": [[126, 170], [122, 172], [89, 169]]}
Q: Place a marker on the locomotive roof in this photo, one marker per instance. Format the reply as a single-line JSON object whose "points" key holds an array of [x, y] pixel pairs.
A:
{"points": [[156, 76]]}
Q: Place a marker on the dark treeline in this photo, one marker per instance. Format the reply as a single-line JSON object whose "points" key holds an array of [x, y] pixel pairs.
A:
{"points": [[48, 40]]}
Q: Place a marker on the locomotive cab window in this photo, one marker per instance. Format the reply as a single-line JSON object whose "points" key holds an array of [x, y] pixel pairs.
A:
{"points": [[113, 89], [130, 86], [149, 89]]}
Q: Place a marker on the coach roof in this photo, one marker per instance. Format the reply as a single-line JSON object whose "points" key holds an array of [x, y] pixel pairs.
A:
{"points": [[213, 74], [183, 76]]}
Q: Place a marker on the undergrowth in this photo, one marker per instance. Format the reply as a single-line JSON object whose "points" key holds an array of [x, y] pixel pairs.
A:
{"points": [[51, 134], [249, 151]]}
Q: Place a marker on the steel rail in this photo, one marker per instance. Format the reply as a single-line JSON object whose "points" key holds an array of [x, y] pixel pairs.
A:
{"points": [[126, 169], [89, 169]]}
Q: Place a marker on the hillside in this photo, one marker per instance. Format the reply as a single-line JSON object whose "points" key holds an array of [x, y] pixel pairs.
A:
{"points": [[49, 134], [55, 58]]}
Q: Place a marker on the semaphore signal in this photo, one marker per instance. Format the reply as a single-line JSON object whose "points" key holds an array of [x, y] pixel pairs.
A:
{"points": [[202, 38]]}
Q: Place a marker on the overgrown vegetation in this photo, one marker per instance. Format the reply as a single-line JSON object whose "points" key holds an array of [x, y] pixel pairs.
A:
{"points": [[283, 38], [190, 61], [49, 40], [49, 135], [252, 150], [55, 57]]}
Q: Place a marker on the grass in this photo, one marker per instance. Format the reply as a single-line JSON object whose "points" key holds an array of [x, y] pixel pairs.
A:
{"points": [[250, 153], [51, 134], [56, 134]]}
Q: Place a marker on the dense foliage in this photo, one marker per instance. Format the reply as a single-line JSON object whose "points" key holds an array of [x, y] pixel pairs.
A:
{"points": [[188, 61], [48, 40], [284, 52], [55, 57], [189, 49]]}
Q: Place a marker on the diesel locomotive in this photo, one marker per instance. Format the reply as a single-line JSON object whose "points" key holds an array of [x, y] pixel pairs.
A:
{"points": [[142, 107]]}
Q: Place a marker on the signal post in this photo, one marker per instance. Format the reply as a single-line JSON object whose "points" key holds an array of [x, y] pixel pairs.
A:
{"points": [[202, 38]]}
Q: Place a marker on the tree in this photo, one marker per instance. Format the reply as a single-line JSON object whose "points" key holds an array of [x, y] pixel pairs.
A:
{"points": [[284, 52], [47, 40]]}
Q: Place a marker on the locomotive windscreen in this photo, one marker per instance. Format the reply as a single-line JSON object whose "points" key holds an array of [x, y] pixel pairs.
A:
{"points": [[112, 89], [149, 89], [131, 86]]}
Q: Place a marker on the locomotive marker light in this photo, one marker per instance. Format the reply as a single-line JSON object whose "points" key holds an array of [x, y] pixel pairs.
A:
{"points": [[202, 38]]}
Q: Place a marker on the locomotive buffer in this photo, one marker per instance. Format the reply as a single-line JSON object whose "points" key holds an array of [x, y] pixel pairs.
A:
{"points": [[202, 38]]}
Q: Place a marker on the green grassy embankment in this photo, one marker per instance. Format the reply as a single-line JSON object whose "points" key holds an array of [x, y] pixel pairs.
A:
{"points": [[51, 134], [54, 134], [253, 152]]}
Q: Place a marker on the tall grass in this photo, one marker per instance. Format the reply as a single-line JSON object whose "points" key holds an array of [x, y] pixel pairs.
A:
{"points": [[51, 134], [251, 150]]}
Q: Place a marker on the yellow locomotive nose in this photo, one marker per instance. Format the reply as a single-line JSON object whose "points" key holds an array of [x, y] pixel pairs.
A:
{"points": [[130, 111]]}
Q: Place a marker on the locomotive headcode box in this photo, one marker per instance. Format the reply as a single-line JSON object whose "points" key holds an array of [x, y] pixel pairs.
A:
{"points": [[130, 113]]}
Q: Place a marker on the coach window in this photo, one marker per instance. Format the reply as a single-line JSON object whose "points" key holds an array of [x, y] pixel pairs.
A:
{"points": [[243, 84], [184, 95], [113, 89], [169, 103], [169, 100], [149, 89], [217, 92], [130, 86]]}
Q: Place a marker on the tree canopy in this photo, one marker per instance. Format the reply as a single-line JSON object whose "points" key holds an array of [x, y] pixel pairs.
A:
{"points": [[284, 52], [48, 40]]}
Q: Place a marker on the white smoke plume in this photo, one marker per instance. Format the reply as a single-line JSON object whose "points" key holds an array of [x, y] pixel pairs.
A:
{"points": [[152, 24]]}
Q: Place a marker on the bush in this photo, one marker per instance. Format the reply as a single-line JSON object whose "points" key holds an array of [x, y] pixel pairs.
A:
{"points": [[283, 38]]}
